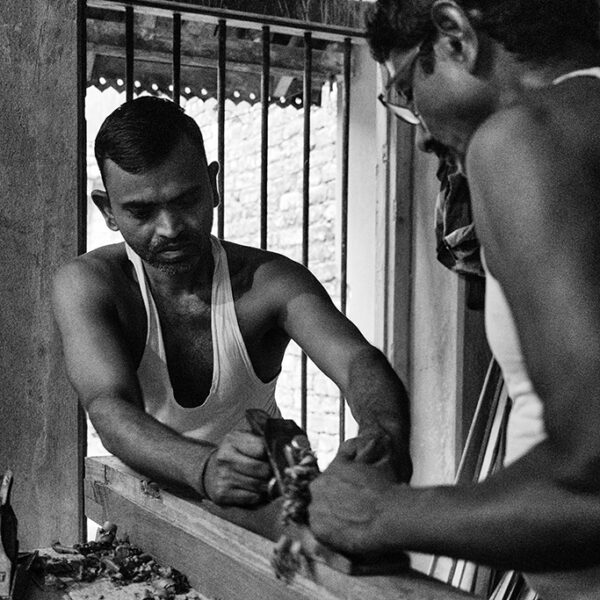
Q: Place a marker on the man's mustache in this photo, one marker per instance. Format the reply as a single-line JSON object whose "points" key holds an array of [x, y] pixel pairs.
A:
{"points": [[178, 242]]}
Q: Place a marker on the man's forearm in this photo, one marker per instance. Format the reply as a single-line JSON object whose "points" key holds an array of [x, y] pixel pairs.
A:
{"points": [[148, 446], [379, 402], [520, 518], [377, 397]]}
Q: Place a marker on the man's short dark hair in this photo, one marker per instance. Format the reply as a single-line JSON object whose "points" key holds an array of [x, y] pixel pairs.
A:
{"points": [[534, 30], [141, 133]]}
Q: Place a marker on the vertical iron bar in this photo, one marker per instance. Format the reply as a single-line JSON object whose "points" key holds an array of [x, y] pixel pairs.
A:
{"points": [[344, 224], [264, 99], [177, 58], [81, 234], [129, 53], [307, 93], [221, 74]]}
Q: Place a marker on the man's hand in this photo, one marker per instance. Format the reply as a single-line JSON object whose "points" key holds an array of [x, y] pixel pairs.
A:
{"points": [[349, 499], [238, 471], [398, 447]]}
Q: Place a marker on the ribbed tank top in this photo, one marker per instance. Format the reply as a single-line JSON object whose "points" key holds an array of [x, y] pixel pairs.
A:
{"points": [[235, 386]]}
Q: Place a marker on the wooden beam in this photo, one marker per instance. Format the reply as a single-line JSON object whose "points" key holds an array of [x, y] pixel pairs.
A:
{"points": [[223, 559], [283, 85], [241, 19], [197, 44], [199, 62], [89, 63]]}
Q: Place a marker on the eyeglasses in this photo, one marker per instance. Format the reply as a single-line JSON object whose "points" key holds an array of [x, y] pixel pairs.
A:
{"points": [[404, 111]]}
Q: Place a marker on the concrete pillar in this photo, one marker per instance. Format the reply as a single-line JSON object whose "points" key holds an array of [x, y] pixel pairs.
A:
{"points": [[39, 416]]}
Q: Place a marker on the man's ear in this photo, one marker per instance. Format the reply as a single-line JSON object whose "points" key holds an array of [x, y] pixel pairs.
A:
{"points": [[101, 200], [457, 34], [213, 170]]}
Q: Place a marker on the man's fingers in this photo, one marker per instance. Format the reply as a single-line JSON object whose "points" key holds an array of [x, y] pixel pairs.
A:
{"points": [[254, 469], [248, 444], [241, 497]]}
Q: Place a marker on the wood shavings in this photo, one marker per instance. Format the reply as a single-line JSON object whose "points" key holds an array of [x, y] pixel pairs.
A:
{"points": [[288, 554], [111, 559]]}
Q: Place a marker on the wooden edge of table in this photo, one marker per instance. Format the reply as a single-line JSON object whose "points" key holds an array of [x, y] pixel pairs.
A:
{"points": [[226, 552]]}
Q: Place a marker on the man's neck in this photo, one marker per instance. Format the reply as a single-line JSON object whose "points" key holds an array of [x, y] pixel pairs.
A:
{"points": [[513, 78], [518, 77]]}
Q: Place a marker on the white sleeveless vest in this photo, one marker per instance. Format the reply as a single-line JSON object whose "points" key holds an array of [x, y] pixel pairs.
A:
{"points": [[235, 386]]}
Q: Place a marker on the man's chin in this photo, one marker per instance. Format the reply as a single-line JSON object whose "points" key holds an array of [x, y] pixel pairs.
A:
{"points": [[173, 267]]}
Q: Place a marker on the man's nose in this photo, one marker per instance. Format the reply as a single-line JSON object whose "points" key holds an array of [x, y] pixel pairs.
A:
{"points": [[169, 224]]}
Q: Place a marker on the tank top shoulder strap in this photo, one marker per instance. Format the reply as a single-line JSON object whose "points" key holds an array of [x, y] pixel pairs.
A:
{"points": [[154, 337], [226, 329], [222, 291], [591, 72]]}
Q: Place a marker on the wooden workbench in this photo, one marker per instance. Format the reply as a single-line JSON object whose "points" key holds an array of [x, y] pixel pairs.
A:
{"points": [[226, 553]]}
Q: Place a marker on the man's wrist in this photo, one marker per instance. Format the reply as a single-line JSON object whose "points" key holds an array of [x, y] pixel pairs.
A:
{"points": [[201, 488], [195, 466], [398, 440]]}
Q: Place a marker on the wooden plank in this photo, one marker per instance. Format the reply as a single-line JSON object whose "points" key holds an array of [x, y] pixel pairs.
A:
{"points": [[38, 227], [232, 522], [221, 558]]}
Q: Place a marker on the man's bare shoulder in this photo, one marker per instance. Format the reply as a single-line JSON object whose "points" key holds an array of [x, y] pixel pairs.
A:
{"points": [[534, 170], [257, 261], [544, 128], [264, 271], [102, 272]]}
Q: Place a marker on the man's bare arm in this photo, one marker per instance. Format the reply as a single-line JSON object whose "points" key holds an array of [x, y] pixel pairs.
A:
{"points": [[537, 215], [374, 392], [100, 367]]}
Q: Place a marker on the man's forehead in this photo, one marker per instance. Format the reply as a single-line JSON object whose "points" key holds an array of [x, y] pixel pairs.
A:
{"points": [[163, 182]]}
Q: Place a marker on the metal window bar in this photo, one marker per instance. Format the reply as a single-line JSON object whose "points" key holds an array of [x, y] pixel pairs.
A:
{"points": [[129, 53], [264, 134], [175, 9], [307, 91], [221, 75], [344, 200], [81, 233], [81, 132], [177, 58]]}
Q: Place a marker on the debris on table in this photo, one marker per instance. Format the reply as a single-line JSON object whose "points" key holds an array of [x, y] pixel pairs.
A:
{"points": [[114, 559]]}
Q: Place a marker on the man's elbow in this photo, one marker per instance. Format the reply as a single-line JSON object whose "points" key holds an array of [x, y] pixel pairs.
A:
{"points": [[104, 416]]}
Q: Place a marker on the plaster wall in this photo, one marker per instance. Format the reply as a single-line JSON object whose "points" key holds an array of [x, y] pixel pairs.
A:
{"points": [[39, 417], [435, 305]]}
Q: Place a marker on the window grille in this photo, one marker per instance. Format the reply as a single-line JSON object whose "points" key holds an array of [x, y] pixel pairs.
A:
{"points": [[314, 38]]}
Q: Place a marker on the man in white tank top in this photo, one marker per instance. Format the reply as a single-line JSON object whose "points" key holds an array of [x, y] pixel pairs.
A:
{"points": [[512, 89], [169, 338]]}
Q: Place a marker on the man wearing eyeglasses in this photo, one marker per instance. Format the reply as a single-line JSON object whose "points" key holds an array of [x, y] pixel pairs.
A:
{"points": [[512, 89]]}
